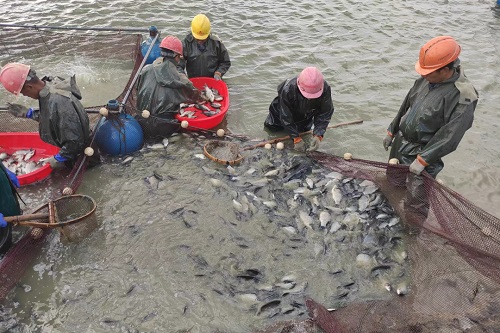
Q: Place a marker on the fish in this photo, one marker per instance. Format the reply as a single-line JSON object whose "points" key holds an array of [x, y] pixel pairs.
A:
{"points": [[306, 219], [186, 113], [210, 113], [156, 146], [29, 155], [324, 218], [202, 107], [336, 195], [209, 94], [215, 105], [218, 98], [127, 160]]}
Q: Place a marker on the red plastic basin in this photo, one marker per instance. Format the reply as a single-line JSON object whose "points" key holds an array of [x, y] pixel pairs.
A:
{"points": [[201, 121], [12, 141]]}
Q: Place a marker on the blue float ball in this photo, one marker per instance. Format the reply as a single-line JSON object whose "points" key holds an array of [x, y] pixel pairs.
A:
{"points": [[119, 135]]}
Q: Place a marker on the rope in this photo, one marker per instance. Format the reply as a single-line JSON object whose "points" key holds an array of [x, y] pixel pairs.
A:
{"points": [[9, 25]]}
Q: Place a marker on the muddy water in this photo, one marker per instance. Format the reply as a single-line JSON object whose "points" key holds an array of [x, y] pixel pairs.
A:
{"points": [[164, 257]]}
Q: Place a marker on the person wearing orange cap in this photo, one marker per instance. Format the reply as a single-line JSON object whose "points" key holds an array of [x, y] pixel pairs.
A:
{"points": [[204, 53], [62, 119], [435, 114], [302, 102]]}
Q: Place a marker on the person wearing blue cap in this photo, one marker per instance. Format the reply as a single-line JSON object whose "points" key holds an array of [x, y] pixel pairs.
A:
{"points": [[155, 51]]}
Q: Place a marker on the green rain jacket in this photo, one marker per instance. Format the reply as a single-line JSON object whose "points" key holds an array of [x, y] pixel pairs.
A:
{"points": [[214, 58], [9, 204], [161, 88], [432, 120], [63, 121]]}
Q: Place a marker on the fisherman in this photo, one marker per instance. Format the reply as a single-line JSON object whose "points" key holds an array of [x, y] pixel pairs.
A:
{"points": [[204, 54], [9, 204], [434, 116], [161, 89], [155, 51], [63, 122], [302, 102]]}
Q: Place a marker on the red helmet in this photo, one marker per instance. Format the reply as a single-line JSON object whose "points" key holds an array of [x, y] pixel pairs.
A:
{"points": [[310, 82], [172, 43], [13, 76]]}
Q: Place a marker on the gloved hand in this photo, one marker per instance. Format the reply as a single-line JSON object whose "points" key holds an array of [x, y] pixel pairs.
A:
{"points": [[217, 76], [18, 110], [416, 167], [13, 178], [3, 223], [56, 161], [387, 141], [314, 144], [299, 145]]}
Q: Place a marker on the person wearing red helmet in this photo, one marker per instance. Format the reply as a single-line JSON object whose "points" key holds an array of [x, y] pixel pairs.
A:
{"points": [[434, 116], [302, 102], [161, 88], [62, 119], [204, 53]]}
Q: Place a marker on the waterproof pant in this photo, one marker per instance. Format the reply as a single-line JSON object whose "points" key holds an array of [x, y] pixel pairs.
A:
{"points": [[416, 195]]}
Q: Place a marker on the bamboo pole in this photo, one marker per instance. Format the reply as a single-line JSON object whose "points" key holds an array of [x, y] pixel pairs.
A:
{"points": [[262, 144]]}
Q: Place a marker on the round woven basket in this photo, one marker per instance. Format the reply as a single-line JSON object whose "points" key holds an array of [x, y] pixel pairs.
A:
{"points": [[223, 152]]}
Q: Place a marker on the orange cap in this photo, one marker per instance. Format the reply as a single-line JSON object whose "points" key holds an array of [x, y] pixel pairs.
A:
{"points": [[437, 53]]}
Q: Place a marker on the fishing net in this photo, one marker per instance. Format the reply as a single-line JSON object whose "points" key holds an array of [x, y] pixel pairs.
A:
{"points": [[453, 246], [30, 46], [223, 152], [454, 252]]}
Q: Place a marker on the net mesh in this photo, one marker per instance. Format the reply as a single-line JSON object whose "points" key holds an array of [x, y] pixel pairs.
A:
{"points": [[31, 44], [453, 246]]}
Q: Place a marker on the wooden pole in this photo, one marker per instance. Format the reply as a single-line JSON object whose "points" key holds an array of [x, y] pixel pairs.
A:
{"points": [[262, 144]]}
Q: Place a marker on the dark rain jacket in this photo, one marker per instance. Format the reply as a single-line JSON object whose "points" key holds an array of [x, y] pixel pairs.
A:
{"points": [[214, 58], [9, 204], [432, 120], [161, 88], [63, 121], [291, 111]]}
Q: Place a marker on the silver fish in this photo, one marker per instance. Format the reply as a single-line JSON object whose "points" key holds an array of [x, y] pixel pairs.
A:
{"points": [[29, 155], [209, 94], [306, 219]]}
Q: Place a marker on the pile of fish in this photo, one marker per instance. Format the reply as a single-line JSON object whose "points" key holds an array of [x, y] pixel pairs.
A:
{"points": [[211, 97], [312, 205], [21, 162]]}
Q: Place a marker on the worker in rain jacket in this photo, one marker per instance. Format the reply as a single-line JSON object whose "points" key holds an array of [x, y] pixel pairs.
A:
{"points": [[161, 88], [434, 116], [204, 54], [155, 51], [63, 121], [9, 205], [302, 102]]}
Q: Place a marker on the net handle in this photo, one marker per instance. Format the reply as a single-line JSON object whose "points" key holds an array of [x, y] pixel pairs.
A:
{"points": [[48, 220], [262, 144]]}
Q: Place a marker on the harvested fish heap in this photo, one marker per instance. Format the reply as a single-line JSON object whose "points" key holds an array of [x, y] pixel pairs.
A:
{"points": [[211, 97], [354, 235], [20, 162]]}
